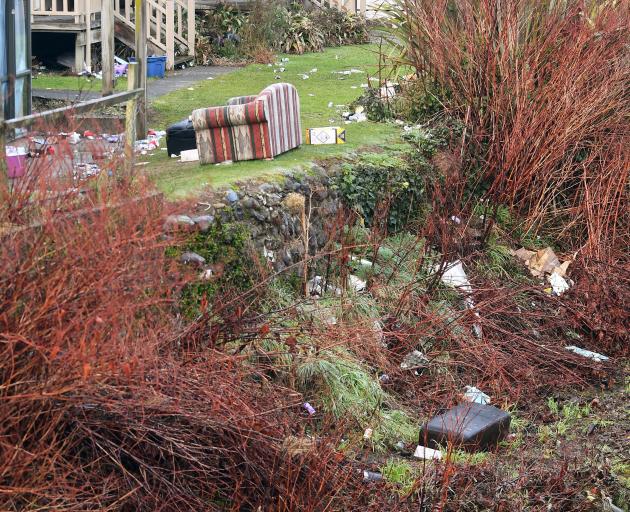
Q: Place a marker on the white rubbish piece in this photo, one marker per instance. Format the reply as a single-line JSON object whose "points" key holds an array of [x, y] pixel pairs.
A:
{"points": [[206, 275], [558, 283], [314, 70], [456, 219], [189, 155], [269, 255], [304, 76], [422, 452], [74, 138], [191, 88], [348, 72], [475, 395], [316, 286], [414, 360], [364, 262], [388, 90], [587, 353], [455, 276], [372, 476], [368, 433], [358, 117], [85, 171], [356, 283], [212, 78], [330, 104]]}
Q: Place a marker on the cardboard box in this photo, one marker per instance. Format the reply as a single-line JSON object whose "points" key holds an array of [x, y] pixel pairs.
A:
{"points": [[326, 135]]}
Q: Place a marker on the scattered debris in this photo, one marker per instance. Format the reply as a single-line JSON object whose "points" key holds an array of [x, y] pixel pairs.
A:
{"points": [[542, 262], [174, 222], [587, 353], [368, 434], [475, 395], [189, 155], [192, 257], [348, 72], [455, 276], [206, 275], [294, 445], [309, 408], [471, 426], [356, 283], [85, 171], [422, 452], [359, 116], [269, 255], [415, 360], [558, 283], [316, 286], [372, 476], [363, 262]]}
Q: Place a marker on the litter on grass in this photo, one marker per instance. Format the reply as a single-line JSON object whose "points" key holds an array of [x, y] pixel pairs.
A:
{"points": [[558, 283], [414, 361], [587, 353], [371, 476], [309, 408], [189, 155], [474, 394], [422, 452], [326, 135], [455, 276], [356, 283]]}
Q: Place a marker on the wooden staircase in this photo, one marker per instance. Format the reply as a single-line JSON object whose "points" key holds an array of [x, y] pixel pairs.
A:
{"points": [[170, 25]]}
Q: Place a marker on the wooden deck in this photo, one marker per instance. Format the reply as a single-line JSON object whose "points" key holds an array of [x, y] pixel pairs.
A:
{"points": [[169, 27], [60, 23]]}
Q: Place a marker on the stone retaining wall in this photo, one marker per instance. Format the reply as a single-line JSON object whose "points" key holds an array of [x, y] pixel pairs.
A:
{"points": [[273, 212]]}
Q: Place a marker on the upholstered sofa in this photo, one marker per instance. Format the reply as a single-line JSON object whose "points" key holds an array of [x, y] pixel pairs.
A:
{"points": [[250, 127]]}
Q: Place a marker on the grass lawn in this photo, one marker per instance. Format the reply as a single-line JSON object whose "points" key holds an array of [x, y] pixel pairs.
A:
{"points": [[53, 81], [183, 179]]}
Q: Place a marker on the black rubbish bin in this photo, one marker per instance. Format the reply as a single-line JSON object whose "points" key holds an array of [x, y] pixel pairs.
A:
{"points": [[180, 137]]}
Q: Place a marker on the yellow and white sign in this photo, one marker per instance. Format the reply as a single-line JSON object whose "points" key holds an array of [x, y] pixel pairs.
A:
{"points": [[326, 135]]}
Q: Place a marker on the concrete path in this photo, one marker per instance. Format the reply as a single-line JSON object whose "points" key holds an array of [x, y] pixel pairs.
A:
{"points": [[178, 79]]}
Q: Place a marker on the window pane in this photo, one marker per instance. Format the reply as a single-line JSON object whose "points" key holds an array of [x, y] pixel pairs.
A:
{"points": [[21, 43], [20, 99]]}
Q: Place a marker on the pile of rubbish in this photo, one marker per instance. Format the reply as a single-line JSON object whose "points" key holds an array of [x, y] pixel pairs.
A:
{"points": [[545, 264]]}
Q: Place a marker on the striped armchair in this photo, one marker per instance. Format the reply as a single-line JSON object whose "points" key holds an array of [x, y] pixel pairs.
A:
{"points": [[250, 127]]}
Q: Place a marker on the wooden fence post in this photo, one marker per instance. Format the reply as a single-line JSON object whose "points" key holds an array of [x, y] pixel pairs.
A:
{"points": [[190, 18], [141, 69], [170, 33], [107, 46], [131, 111]]}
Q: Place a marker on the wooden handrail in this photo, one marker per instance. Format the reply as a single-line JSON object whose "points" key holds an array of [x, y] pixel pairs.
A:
{"points": [[131, 97], [78, 108]]}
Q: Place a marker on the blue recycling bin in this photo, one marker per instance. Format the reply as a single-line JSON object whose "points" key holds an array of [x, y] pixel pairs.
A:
{"points": [[156, 66]]}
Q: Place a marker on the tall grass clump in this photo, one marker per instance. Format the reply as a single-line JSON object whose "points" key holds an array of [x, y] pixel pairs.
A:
{"points": [[542, 90]]}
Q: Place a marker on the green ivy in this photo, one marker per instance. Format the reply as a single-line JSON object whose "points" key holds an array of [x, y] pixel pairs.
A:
{"points": [[222, 244], [378, 177]]}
